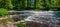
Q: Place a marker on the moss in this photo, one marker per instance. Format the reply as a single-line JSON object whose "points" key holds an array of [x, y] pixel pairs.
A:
{"points": [[10, 19]]}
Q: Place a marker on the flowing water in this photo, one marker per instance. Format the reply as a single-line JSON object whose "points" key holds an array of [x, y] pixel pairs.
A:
{"points": [[42, 17]]}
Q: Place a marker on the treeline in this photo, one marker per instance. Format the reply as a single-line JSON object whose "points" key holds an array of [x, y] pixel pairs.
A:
{"points": [[30, 4]]}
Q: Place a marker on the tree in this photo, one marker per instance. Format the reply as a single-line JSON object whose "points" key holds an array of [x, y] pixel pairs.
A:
{"points": [[28, 3], [35, 4], [38, 4], [54, 4], [6, 4], [17, 4], [9, 3], [25, 3]]}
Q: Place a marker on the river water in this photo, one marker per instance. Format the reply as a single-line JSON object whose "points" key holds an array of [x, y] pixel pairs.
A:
{"points": [[43, 17]]}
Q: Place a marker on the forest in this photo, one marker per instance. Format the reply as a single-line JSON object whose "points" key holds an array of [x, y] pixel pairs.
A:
{"points": [[30, 4]]}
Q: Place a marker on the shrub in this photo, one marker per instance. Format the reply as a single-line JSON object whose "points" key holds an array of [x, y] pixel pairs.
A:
{"points": [[3, 11], [21, 24]]}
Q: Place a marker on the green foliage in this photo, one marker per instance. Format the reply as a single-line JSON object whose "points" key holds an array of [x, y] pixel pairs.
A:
{"points": [[21, 24], [37, 4], [6, 4], [10, 19], [3, 11]]}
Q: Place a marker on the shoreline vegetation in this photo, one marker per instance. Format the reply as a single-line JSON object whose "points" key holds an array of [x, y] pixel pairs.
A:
{"points": [[44, 5]]}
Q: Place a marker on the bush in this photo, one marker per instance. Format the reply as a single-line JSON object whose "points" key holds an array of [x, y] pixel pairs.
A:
{"points": [[21, 24], [3, 11]]}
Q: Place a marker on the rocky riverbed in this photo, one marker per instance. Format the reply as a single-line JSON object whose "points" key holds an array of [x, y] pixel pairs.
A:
{"points": [[41, 18]]}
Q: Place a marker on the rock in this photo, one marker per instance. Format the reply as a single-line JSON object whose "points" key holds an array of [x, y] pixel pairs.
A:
{"points": [[10, 24]]}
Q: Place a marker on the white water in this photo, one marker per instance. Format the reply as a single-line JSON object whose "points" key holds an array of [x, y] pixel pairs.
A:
{"points": [[41, 16]]}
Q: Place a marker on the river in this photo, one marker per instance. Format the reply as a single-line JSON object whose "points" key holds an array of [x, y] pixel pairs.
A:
{"points": [[43, 17]]}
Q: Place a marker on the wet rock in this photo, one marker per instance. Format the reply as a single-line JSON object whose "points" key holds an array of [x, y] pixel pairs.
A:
{"points": [[34, 24]]}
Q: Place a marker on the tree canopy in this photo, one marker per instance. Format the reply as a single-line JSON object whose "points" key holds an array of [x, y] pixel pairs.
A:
{"points": [[30, 4]]}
